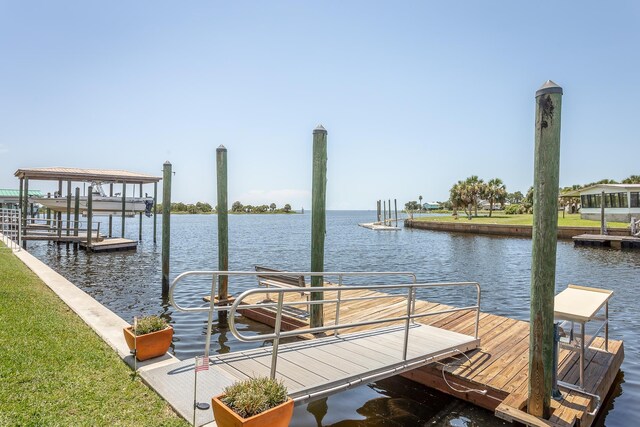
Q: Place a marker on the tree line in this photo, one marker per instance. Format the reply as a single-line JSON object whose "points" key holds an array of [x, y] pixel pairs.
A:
{"points": [[237, 207], [467, 194]]}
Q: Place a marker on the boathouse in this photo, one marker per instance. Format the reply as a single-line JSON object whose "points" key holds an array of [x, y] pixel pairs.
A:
{"points": [[621, 202]]}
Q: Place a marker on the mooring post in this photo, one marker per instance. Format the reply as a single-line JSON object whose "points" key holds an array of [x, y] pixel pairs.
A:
{"points": [[384, 212], [68, 210], [155, 211], [140, 219], [59, 214], [223, 228], [545, 236], [390, 217], [89, 217], [395, 209], [110, 216], [318, 221], [76, 218], [124, 207], [166, 225], [603, 226], [379, 209], [24, 189]]}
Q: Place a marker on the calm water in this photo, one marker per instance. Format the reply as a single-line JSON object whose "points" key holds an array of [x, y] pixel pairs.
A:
{"points": [[129, 284]]}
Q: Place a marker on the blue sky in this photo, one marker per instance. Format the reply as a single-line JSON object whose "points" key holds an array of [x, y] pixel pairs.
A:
{"points": [[414, 95]]}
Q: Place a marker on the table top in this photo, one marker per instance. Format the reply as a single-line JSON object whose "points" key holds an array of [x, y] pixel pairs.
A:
{"points": [[580, 303]]}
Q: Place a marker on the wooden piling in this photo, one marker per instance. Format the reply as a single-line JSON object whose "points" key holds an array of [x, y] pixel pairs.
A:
{"points": [[76, 217], [140, 219], [384, 212], [166, 225], [223, 226], [545, 236], [89, 216], [395, 208], [318, 220], [379, 210], [603, 226], [155, 211], [68, 228], [110, 216], [24, 202], [59, 214], [124, 207]]}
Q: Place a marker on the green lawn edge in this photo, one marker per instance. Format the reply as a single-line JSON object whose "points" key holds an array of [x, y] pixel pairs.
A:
{"points": [[570, 220], [56, 371]]}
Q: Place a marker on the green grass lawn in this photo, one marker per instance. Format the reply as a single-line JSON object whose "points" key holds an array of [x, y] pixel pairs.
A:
{"points": [[572, 220], [55, 371]]}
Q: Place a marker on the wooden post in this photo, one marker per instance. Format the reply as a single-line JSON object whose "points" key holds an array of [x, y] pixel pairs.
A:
{"points": [[124, 203], [140, 219], [545, 237], [384, 212], [390, 217], [68, 210], [110, 216], [603, 228], [76, 217], [59, 214], [24, 191], [155, 211], [89, 217], [223, 227], [166, 225], [395, 208], [379, 209], [318, 221]]}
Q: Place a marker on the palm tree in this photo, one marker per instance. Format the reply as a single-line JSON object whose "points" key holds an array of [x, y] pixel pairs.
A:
{"points": [[475, 186], [633, 179], [495, 192]]}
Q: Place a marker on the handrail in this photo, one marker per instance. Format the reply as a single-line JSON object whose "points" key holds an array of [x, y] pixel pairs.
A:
{"points": [[408, 317]]}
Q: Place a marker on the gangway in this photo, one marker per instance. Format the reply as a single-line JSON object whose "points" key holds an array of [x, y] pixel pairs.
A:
{"points": [[314, 368]]}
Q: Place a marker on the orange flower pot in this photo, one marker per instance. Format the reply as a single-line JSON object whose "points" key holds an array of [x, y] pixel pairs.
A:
{"points": [[274, 417], [149, 345]]}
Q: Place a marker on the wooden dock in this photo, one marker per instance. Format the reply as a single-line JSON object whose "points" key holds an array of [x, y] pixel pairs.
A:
{"points": [[607, 241], [499, 365], [113, 244], [379, 226]]}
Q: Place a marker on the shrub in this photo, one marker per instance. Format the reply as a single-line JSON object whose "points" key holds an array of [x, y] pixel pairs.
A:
{"points": [[149, 324], [254, 396], [512, 209]]}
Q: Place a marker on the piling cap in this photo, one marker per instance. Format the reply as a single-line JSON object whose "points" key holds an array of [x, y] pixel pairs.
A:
{"points": [[221, 148], [320, 129], [548, 87], [168, 163]]}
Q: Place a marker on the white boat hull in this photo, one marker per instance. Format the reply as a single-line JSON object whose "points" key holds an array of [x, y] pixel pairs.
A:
{"points": [[100, 205]]}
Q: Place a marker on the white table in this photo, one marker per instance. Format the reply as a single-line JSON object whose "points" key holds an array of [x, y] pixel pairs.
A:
{"points": [[579, 304]]}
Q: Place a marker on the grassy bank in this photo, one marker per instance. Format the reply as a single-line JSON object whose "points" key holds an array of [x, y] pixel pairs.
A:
{"points": [[572, 220], [55, 370]]}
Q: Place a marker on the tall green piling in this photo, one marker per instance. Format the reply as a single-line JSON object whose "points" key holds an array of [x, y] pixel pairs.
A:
{"points": [[545, 236], [166, 225], [89, 217], [68, 228], [223, 226], [603, 225], [140, 219], [24, 186], [110, 216], [124, 207], [76, 217], [318, 220]]}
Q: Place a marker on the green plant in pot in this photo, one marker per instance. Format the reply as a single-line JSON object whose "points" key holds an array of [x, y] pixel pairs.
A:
{"points": [[254, 402], [151, 338]]}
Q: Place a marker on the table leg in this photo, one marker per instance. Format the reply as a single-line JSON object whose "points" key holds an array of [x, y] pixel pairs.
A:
{"points": [[606, 326], [582, 325]]}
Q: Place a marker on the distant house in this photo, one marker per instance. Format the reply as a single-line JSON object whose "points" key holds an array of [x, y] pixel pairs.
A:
{"points": [[9, 197], [621, 202], [429, 206]]}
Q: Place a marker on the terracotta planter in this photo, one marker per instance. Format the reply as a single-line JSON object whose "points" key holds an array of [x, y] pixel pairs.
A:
{"points": [[274, 417], [149, 345]]}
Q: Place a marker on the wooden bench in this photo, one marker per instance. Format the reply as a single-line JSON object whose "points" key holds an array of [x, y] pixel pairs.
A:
{"points": [[278, 280]]}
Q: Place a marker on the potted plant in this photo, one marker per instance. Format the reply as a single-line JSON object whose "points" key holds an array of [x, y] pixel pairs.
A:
{"points": [[151, 338], [254, 402]]}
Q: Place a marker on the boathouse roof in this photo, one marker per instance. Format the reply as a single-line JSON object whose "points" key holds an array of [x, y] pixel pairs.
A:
{"points": [[78, 174]]}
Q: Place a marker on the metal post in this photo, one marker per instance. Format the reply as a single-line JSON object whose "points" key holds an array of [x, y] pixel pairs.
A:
{"points": [[555, 391], [545, 237], [166, 226], [110, 216], [318, 221], [603, 227], [155, 211], [89, 217], [124, 203], [276, 340], [76, 217], [140, 219], [223, 227]]}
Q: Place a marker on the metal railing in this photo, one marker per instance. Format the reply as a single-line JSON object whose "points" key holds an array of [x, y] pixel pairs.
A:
{"points": [[409, 316], [11, 227]]}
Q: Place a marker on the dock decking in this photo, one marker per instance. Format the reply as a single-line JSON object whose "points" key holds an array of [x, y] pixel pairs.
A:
{"points": [[111, 244], [499, 365], [608, 241]]}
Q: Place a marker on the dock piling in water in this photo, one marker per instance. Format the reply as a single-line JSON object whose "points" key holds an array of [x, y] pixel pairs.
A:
{"points": [[166, 225], [124, 203], [76, 217], [110, 216], [89, 216], [318, 220], [543, 258], [223, 227]]}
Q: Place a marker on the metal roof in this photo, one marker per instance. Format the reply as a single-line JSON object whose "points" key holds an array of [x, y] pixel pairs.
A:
{"points": [[6, 192], [88, 175]]}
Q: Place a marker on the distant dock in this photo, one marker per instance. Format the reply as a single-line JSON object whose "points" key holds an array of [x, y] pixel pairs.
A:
{"points": [[607, 241], [379, 226]]}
